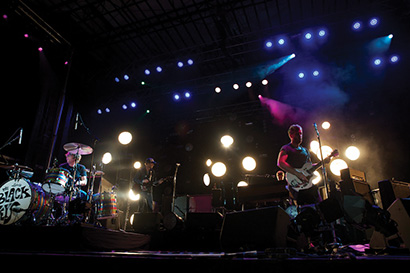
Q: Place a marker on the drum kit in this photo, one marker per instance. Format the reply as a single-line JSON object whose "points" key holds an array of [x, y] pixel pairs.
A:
{"points": [[58, 200]]}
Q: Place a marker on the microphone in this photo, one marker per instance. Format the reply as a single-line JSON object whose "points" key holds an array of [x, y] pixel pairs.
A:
{"points": [[21, 135], [76, 121]]}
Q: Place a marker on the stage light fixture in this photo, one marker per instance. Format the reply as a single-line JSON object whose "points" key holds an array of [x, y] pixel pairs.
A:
{"points": [[268, 44], [390, 36], [314, 146], [316, 177], [249, 163], [322, 33], [26, 35], [352, 153], [187, 94], [377, 62], [281, 41], [357, 25], [147, 71], [190, 62], [107, 110], [218, 169], [208, 162], [137, 165], [326, 150], [235, 86], [142, 83], [180, 64], [308, 35], [159, 69], [315, 73], [176, 97], [125, 138], [40, 49], [265, 82], [107, 158], [116, 79], [248, 84], [373, 22], [301, 75], [227, 141], [337, 165], [394, 59], [242, 184], [133, 104], [124, 107], [133, 196], [99, 111], [206, 179], [326, 125], [126, 77]]}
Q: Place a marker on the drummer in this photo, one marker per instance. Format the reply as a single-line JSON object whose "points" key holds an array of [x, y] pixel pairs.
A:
{"points": [[81, 174]]}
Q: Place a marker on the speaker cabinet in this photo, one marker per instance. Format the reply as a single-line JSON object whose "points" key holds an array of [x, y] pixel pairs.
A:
{"points": [[255, 229], [400, 213], [390, 190]]}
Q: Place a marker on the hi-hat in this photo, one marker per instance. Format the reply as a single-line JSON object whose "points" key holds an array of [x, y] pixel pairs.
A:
{"points": [[15, 167], [78, 148]]}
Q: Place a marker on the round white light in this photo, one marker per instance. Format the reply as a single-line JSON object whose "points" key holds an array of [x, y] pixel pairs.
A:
{"points": [[314, 146], [226, 141], [326, 150], [352, 153], [206, 179], [132, 196], [326, 125], [107, 157], [125, 138], [337, 165], [218, 169], [208, 162], [316, 177], [137, 165], [248, 163], [242, 184]]}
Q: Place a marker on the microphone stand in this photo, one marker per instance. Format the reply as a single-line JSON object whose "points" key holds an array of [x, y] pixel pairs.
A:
{"points": [[325, 183]]}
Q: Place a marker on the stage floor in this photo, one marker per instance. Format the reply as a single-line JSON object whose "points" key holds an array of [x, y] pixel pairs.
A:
{"points": [[89, 248]]}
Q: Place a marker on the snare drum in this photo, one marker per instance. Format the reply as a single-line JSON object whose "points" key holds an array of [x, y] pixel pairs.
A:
{"points": [[56, 179], [21, 200], [107, 205]]}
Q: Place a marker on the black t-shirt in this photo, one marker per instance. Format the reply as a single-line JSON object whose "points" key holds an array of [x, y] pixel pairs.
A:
{"points": [[297, 157], [80, 170]]}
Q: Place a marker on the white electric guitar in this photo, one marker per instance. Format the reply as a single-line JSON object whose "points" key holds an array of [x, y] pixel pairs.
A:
{"points": [[307, 170]]}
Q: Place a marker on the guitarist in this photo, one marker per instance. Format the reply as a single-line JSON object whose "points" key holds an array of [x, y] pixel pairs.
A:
{"points": [[293, 156], [146, 179]]}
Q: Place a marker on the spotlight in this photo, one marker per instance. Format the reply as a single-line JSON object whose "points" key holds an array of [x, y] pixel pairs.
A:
{"points": [[190, 62], [265, 82], [107, 110], [301, 75], [187, 94], [177, 97], [248, 84], [133, 104], [326, 125], [137, 165], [116, 79], [326, 150], [124, 107], [373, 22], [227, 141], [394, 59], [99, 111], [142, 83], [40, 49], [235, 86], [126, 77], [268, 44], [125, 138], [337, 165], [208, 162], [107, 158], [357, 25], [316, 177], [206, 179], [132, 196], [147, 72], [218, 169], [390, 36], [159, 69], [242, 184], [26, 35], [249, 163], [180, 64], [377, 62], [322, 33], [315, 73], [308, 35], [352, 153], [218, 89], [281, 41]]}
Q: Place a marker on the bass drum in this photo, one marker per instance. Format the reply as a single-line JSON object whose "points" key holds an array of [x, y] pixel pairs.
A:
{"points": [[22, 201]]}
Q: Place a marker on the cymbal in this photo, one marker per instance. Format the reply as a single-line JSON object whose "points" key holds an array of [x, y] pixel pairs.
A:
{"points": [[81, 149], [15, 167]]}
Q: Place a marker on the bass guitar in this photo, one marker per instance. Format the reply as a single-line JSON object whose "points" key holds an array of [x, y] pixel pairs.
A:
{"points": [[308, 169]]}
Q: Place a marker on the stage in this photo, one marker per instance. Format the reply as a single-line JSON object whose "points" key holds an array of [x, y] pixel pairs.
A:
{"points": [[90, 248]]}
